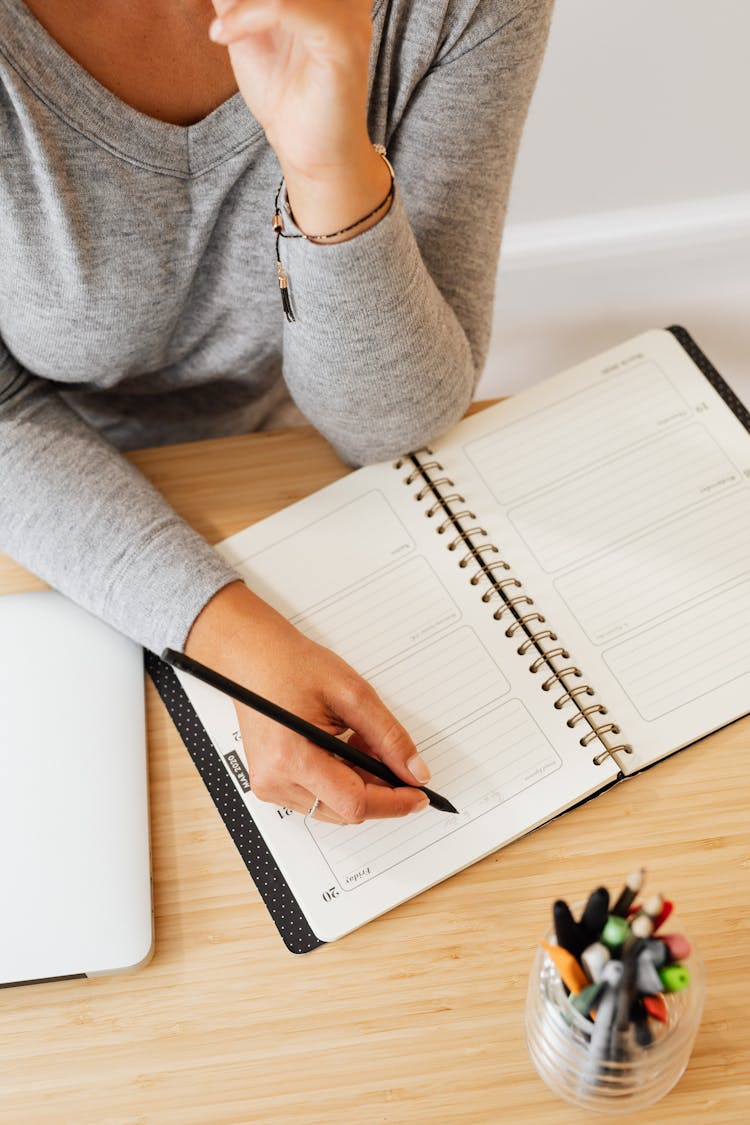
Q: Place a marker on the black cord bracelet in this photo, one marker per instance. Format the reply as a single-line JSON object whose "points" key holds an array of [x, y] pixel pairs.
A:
{"points": [[278, 226]]}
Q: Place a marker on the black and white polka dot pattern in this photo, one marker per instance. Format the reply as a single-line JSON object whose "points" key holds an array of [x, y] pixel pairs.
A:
{"points": [[715, 379], [271, 884]]}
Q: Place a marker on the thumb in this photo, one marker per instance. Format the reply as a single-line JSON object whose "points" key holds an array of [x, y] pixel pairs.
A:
{"points": [[377, 731]]}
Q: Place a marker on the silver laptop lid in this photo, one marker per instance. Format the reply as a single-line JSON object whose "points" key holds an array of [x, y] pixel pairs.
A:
{"points": [[74, 841]]}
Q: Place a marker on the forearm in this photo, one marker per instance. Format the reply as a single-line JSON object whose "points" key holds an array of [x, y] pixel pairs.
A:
{"points": [[393, 325], [75, 512], [376, 359]]}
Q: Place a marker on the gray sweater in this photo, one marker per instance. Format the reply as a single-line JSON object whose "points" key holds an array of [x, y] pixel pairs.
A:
{"points": [[139, 303]]}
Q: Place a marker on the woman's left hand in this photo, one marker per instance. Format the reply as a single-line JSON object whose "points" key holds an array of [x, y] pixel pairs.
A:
{"points": [[302, 68]]}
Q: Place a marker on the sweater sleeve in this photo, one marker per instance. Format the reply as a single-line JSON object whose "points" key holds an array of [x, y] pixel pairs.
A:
{"points": [[75, 512], [392, 326]]}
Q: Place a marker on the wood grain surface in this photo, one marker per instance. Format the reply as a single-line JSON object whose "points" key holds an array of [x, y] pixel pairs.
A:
{"points": [[416, 1017]]}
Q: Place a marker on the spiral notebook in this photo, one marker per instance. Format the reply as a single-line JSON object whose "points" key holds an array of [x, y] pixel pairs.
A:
{"points": [[552, 598]]}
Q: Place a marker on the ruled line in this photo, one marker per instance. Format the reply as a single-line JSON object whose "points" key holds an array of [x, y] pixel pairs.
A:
{"points": [[691, 655], [478, 766], [643, 487], [568, 436], [662, 569], [388, 615]]}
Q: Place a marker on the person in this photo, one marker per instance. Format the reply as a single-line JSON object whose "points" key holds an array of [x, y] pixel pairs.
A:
{"points": [[141, 149]]}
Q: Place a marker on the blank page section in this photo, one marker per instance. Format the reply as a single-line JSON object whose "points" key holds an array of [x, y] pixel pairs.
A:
{"points": [[441, 685], [656, 572], [383, 616], [623, 497], [303, 568], [478, 766], [688, 656], [562, 439]]}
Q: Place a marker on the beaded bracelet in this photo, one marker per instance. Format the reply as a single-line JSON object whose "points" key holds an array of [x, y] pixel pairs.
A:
{"points": [[278, 226]]}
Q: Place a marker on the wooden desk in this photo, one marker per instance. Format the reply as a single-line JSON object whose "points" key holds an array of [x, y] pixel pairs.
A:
{"points": [[417, 1017]]}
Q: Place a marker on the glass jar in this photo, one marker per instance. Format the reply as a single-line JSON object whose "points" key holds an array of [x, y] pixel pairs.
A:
{"points": [[558, 1039]]}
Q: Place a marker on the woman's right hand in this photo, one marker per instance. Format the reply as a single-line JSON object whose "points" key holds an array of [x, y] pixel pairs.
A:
{"points": [[242, 637]]}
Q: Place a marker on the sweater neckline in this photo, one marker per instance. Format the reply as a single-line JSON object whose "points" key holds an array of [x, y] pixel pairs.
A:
{"points": [[72, 93]]}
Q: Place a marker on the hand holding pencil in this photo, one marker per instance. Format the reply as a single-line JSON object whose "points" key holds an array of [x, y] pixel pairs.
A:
{"points": [[243, 638]]}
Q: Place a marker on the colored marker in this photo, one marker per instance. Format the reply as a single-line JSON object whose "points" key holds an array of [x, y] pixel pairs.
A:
{"points": [[678, 946], [595, 914], [633, 884], [656, 1006], [657, 951], [571, 973], [586, 1000], [628, 985], [648, 980], [674, 978], [594, 958], [661, 918], [615, 932], [640, 928], [567, 931], [606, 1012], [641, 1030], [652, 908]]}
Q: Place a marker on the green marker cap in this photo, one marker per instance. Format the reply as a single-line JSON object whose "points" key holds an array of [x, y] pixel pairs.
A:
{"points": [[615, 932], [674, 977]]}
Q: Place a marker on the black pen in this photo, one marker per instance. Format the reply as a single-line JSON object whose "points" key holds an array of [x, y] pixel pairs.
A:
{"points": [[301, 726]]}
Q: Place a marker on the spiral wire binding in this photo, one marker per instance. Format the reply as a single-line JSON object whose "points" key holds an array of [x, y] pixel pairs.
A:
{"points": [[554, 657]]}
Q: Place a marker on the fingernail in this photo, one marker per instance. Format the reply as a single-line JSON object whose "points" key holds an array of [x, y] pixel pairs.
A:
{"points": [[419, 768], [215, 30]]}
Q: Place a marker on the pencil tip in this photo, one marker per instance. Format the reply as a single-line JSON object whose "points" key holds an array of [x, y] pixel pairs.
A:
{"points": [[439, 802]]}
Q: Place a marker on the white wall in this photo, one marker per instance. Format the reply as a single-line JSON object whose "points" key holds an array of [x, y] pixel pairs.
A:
{"points": [[631, 199]]}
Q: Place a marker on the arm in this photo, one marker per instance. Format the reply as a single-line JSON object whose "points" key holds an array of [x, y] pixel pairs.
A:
{"points": [[393, 323], [74, 511], [392, 327]]}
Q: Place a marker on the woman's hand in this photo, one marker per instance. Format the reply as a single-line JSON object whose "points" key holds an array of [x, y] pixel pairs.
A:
{"points": [[302, 67], [245, 639]]}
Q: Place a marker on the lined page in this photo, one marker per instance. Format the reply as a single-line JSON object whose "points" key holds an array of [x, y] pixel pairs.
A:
{"points": [[621, 494], [654, 573], [692, 654], [580, 429], [383, 616], [440, 686], [482, 763]]}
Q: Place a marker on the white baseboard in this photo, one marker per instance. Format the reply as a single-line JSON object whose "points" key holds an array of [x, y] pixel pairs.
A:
{"points": [[688, 222], [569, 288]]}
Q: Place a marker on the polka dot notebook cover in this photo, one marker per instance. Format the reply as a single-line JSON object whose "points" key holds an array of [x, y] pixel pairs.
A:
{"points": [[272, 886]]}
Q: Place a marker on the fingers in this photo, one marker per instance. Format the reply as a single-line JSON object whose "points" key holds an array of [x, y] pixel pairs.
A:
{"points": [[252, 17], [376, 731], [299, 800], [386, 803], [291, 772]]}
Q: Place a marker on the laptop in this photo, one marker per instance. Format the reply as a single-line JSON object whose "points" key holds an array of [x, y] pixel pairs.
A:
{"points": [[75, 876]]}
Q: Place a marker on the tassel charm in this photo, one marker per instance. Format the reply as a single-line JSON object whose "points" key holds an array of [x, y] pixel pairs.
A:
{"points": [[278, 229], [286, 303]]}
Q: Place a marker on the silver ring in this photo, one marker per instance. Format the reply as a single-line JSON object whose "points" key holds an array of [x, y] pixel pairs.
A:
{"points": [[313, 807]]}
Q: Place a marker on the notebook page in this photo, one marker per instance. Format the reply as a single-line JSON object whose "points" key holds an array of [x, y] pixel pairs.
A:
{"points": [[357, 568], [620, 490]]}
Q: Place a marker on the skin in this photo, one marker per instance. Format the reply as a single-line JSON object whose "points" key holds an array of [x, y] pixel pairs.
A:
{"points": [[302, 68]]}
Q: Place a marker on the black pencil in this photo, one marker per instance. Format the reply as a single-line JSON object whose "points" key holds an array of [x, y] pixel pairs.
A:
{"points": [[314, 734]]}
